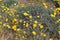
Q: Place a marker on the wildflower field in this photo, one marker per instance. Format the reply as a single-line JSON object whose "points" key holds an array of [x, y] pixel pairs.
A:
{"points": [[29, 19]]}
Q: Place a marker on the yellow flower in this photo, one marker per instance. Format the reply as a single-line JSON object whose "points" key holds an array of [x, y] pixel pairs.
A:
{"points": [[6, 20], [59, 32], [58, 21], [34, 25], [20, 20], [14, 27], [30, 17], [38, 16], [3, 6], [8, 26], [35, 22], [33, 32], [45, 5], [14, 20], [24, 22], [2, 10], [0, 22], [26, 14], [27, 25], [10, 14], [18, 29], [52, 15], [41, 26], [4, 24], [0, 16], [22, 36], [14, 10], [15, 4], [57, 8], [51, 39], [44, 35], [24, 32], [7, 9]]}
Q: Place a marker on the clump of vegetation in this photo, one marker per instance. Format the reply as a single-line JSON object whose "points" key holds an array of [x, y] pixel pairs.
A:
{"points": [[29, 20]]}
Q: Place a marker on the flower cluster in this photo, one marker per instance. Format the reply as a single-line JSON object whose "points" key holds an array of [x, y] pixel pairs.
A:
{"points": [[37, 22]]}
